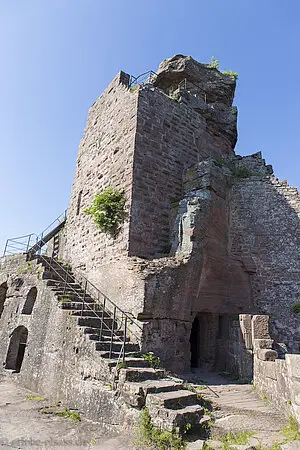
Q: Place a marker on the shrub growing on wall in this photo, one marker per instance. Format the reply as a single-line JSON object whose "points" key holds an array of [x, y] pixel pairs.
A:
{"points": [[108, 210], [296, 308]]}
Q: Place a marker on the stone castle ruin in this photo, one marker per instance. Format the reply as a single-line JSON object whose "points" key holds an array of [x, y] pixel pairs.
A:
{"points": [[204, 271]]}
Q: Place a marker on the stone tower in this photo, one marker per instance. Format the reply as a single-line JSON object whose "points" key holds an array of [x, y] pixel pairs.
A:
{"points": [[203, 225]]}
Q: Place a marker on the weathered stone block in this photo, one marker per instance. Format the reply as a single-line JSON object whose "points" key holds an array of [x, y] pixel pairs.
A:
{"points": [[266, 354], [260, 327], [262, 343]]}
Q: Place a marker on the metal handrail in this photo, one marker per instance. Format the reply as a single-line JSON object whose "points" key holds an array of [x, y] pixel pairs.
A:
{"points": [[143, 78], [185, 85], [88, 285], [99, 292], [120, 319], [61, 218], [24, 246], [123, 325]]}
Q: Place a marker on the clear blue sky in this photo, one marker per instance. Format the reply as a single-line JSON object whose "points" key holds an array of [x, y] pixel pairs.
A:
{"points": [[58, 56]]}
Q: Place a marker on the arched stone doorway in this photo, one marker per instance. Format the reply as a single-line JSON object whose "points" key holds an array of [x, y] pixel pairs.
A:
{"points": [[3, 291], [30, 301], [16, 349]]}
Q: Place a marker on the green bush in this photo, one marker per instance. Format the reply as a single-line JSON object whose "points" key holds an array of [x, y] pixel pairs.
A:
{"points": [[108, 210], [230, 73], [296, 308]]}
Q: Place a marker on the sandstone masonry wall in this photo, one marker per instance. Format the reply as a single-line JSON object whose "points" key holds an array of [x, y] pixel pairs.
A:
{"points": [[105, 158], [279, 381], [171, 136], [276, 378], [265, 235]]}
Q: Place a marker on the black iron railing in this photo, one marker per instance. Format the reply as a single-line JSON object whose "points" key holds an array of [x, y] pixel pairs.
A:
{"points": [[143, 79], [121, 322], [30, 243]]}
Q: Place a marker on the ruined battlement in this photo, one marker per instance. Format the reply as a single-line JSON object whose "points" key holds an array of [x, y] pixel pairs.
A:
{"points": [[200, 79]]}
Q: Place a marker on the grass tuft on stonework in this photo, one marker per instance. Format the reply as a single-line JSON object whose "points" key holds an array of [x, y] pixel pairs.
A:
{"points": [[148, 434], [36, 398], [240, 438], [291, 431], [230, 73], [275, 446], [154, 361], [69, 415], [65, 300], [242, 172]]}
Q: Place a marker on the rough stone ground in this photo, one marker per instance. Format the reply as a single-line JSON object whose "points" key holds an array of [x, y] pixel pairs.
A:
{"points": [[23, 426], [237, 407]]}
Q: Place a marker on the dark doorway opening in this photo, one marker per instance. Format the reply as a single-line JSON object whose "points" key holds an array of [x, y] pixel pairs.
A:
{"points": [[16, 349], [3, 291], [30, 301], [203, 340], [194, 341]]}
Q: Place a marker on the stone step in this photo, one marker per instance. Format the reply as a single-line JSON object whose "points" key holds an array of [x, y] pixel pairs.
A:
{"points": [[89, 312], [176, 418], [94, 322], [95, 331], [171, 400], [72, 293], [199, 445], [115, 355], [152, 387], [105, 337], [74, 297], [58, 269], [78, 306], [116, 346], [57, 284], [50, 275], [55, 265], [140, 374], [134, 394], [62, 286], [130, 362]]}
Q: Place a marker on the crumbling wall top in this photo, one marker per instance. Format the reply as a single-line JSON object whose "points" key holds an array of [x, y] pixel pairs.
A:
{"points": [[219, 88]]}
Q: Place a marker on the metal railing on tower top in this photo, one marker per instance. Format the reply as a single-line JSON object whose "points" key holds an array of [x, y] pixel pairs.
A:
{"points": [[28, 242], [143, 79]]}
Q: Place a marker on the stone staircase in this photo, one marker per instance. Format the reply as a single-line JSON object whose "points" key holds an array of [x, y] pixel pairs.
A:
{"points": [[169, 404]]}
